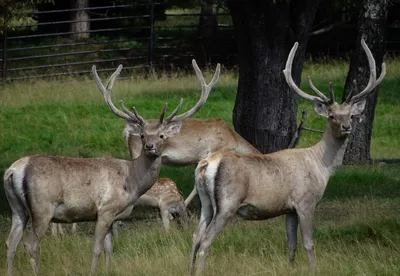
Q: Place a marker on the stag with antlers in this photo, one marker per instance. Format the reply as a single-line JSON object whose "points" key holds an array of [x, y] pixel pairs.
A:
{"points": [[65, 189], [289, 182], [197, 139]]}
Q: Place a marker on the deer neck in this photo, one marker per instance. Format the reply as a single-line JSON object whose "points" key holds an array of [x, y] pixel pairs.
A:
{"points": [[330, 151], [144, 171]]}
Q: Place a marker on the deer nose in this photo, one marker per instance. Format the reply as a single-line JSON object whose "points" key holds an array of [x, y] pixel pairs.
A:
{"points": [[149, 146], [346, 128]]}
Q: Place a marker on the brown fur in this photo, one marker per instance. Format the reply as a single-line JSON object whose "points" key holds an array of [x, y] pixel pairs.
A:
{"points": [[197, 139], [66, 189], [289, 182], [165, 195]]}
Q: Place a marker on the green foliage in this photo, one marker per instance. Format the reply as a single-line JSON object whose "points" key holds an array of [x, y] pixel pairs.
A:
{"points": [[15, 13]]}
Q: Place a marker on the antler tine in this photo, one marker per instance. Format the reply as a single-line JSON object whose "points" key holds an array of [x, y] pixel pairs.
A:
{"points": [[163, 113], [319, 93], [106, 91], [205, 91], [173, 113], [140, 118], [201, 77], [331, 93], [288, 76], [373, 82], [113, 77], [129, 113], [351, 93]]}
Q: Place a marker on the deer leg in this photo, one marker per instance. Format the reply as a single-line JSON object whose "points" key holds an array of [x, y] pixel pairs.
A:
{"points": [[192, 194], [60, 229], [215, 227], [103, 226], [207, 213], [53, 229], [40, 224], [18, 224], [165, 217], [108, 249], [73, 230], [292, 223], [114, 228], [305, 220]]}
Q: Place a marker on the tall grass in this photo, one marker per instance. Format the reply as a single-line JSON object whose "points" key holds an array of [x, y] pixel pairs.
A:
{"points": [[357, 228]]}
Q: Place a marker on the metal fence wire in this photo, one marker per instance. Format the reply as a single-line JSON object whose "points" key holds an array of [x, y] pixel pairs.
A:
{"points": [[131, 35], [142, 36]]}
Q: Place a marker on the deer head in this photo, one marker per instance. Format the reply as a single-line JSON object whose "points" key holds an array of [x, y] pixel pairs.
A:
{"points": [[340, 116], [154, 133]]}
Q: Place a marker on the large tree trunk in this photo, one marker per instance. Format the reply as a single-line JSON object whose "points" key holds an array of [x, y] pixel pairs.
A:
{"points": [[265, 107], [80, 29], [372, 27], [208, 23]]}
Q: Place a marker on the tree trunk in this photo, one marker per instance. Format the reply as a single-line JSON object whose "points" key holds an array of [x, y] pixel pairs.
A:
{"points": [[208, 23], [80, 29], [372, 27], [265, 107]]}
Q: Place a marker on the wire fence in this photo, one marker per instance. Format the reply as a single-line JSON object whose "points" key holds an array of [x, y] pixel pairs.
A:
{"points": [[129, 34], [141, 36]]}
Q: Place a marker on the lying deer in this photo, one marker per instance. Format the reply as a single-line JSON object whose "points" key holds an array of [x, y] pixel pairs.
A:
{"points": [[66, 189], [164, 195], [289, 182]]}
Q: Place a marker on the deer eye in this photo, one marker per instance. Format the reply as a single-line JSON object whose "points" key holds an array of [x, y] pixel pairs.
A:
{"points": [[332, 117], [142, 136], [351, 116], [162, 136]]}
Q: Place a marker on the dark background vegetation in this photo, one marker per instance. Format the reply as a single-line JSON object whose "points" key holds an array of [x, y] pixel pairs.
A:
{"points": [[40, 39]]}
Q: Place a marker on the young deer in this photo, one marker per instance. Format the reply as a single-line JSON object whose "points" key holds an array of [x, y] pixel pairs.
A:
{"points": [[289, 182], [164, 195], [66, 189]]}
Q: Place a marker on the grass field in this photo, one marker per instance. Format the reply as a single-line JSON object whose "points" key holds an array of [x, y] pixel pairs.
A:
{"points": [[357, 227]]}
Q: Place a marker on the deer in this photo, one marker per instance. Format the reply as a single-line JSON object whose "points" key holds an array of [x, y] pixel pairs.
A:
{"points": [[197, 139], [289, 182], [69, 189], [164, 195]]}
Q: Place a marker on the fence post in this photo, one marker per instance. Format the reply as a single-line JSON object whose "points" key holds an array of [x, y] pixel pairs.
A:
{"points": [[151, 39], [4, 56]]}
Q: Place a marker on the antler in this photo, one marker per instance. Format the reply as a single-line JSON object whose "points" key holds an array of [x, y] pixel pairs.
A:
{"points": [[127, 115], [288, 76], [373, 82], [205, 91]]}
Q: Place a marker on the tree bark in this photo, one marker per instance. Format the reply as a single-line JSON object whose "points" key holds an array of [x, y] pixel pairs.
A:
{"points": [[208, 23], [265, 107], [80, 29], [372, 28]]}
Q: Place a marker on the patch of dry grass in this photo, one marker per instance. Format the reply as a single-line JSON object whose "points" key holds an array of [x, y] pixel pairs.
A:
{"points": [[357, 237]]}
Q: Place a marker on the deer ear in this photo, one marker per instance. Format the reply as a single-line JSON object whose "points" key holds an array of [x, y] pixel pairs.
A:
{"points": [[357, 108], [173, 128], [321, 108], [131, 129]]}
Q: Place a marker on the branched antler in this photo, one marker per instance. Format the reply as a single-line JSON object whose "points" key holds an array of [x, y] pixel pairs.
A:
{"points": [[126, 114], [350, 99], [373, 82], [205, 91]]}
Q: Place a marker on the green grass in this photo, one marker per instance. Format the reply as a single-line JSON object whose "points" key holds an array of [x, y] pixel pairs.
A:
{"points": [[357, 226]]}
